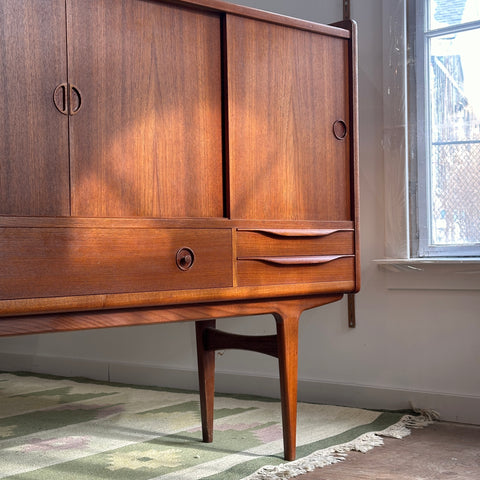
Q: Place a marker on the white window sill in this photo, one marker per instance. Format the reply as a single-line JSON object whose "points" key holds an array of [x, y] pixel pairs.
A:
{"points": [[442, 273], [429, 261]]}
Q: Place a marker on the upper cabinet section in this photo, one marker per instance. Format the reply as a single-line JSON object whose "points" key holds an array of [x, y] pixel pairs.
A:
{"points": [[288, 122], [126, 121], [147, 140], [34, 168], [173, 109]]}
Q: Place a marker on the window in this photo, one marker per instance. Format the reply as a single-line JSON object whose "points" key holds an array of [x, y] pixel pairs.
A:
{"points": [[444, 118]]}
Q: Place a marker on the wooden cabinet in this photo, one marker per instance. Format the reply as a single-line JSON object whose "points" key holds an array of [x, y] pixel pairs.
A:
{"points": [[175, 160], [125, 119]]}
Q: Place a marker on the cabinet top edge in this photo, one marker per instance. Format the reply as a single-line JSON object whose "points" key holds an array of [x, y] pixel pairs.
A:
{"points": [[220, 6]]}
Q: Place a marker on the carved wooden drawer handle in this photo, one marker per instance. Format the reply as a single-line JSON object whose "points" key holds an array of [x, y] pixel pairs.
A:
{"points": [[297, 260], [296, 232]]}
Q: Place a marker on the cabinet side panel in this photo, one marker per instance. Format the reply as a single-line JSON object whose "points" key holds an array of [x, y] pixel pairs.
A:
{"points": [[287, 88], [148, 138], [34, 170]]}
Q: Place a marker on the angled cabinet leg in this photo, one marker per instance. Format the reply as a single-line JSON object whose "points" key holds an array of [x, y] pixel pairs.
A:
{"points": [[287, 342], [206, 378], [283, 345]]}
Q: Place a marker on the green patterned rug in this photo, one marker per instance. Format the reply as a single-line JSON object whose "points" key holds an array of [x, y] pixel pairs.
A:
{"points": [[55, 428]]}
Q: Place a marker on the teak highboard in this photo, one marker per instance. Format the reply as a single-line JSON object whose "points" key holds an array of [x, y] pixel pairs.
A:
{"points": [[176, 160]]}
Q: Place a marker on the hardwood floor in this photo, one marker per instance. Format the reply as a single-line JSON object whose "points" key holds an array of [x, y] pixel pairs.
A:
{"points": [[441, 451]]}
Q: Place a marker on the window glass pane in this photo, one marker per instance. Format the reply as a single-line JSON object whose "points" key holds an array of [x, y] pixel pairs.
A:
{"points": [[444, 13], [454, 77]]}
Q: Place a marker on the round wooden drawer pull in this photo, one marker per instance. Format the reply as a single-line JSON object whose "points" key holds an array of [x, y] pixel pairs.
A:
{"points": [[185, 259]]}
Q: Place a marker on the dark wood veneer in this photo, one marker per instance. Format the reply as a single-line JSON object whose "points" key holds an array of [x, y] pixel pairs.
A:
{"points": [[303, 77], [59, 262], [148, 141], [33, 137]]}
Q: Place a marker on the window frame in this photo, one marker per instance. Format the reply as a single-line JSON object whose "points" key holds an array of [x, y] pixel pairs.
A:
{"points": [[418, 37]]}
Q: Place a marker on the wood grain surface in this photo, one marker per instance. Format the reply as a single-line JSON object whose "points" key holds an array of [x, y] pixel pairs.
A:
{"points": [[34, 164], [286, 89], [148, 139], [85, 261]]}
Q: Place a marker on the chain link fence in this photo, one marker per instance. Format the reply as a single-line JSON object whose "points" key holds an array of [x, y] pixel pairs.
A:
{"points": [[455, 192]]}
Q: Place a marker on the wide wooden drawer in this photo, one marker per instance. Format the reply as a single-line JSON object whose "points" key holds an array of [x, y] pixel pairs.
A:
{"points": [[51, 262], [285, 242], [273, 270]]}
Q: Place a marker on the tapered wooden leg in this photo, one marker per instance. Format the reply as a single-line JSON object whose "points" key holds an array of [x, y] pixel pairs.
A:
{"points": [[287, 340], [206, 379]]}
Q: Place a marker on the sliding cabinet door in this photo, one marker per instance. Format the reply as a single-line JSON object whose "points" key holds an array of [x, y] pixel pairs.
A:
{"points": [[34, 170], [288, 123], [147, 137]]}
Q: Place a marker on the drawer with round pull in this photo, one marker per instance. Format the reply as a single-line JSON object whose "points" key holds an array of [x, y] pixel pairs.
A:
{"points": [[57, 262]]}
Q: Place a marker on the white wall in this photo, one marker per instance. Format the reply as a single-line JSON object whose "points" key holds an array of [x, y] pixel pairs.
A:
{"points": [[420, 346]]}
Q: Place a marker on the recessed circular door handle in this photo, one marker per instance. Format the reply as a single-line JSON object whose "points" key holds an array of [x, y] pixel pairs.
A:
{"points": [[60, 98], [340, 129], [75, 99], [67, 99], [185, 258]]}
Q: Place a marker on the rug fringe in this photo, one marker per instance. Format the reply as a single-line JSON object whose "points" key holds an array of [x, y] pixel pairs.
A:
{"points": [[430, 414], [338, 453]]}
